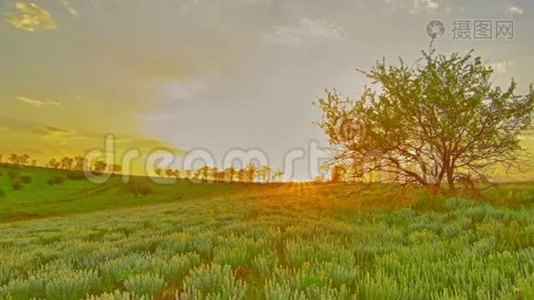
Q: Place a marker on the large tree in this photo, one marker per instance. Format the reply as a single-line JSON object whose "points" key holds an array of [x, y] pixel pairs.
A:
{"points": [[438, 121]]}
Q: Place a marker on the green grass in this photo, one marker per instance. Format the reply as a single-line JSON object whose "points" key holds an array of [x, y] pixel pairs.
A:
{"points": [[38, 199], [292, 241]]}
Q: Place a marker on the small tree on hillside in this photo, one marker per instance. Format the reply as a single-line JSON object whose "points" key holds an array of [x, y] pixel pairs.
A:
{"points": [[115, 169], [438, 121], [203, 173], [66, 163], [265, 173], [169, 172], [53, 163], [277, 175], [100, 166], [188, 174], [80, 163], [251, 172], [230, 174], [14, 158], [138, 188]]}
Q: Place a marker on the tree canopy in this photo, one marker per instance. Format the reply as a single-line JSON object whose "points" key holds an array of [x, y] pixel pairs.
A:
{"points": [[438, 121]]}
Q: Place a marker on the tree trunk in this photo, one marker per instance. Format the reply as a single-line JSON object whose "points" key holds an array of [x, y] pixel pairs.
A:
{"points": [[434, 188], [450, 180]]}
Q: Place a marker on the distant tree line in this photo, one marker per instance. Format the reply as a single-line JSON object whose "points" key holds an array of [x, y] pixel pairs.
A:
{"points": [[19, 159], [76, 163], [80, 163], [249, 173]]}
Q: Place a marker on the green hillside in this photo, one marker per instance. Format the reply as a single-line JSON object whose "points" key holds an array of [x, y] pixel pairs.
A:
{"points": [[39, 199]]}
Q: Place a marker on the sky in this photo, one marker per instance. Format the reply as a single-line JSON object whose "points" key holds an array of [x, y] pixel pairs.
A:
{"points": [[216, 75]]}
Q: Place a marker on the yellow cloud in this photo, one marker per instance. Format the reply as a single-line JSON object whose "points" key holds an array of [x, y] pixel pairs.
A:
{"points": [[44, 142], [70, 9], [37, 102], [30, 17]]}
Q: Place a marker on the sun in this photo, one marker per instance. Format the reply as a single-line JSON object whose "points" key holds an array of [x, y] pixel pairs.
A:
{"points": [[300, 181]]}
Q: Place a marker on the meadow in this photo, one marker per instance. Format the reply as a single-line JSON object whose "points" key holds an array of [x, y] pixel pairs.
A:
{"points": [[266, 241], [40, 199]]}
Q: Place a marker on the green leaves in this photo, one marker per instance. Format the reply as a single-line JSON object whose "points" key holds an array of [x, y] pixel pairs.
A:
{"points": [[441, 119]]}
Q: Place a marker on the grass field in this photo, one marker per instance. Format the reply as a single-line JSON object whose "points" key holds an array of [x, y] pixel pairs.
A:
{"points": [[281, 241], [39, 199]]}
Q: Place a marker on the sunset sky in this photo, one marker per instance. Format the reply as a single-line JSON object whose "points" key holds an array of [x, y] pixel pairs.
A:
{"points": [[216, 75]]}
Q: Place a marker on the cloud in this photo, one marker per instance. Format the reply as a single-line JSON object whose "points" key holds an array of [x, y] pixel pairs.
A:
{"points": [[33, 130], [15, 125], [183, 90], [428, 6], [37, 102], [414, 7], [57, 129], [30, 17], [306, 28], [146, 145], [54, 129], [54, 134], [45, 141], [515, 10], [70, 9], [159, 116], [394, 4]]}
